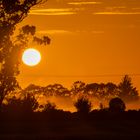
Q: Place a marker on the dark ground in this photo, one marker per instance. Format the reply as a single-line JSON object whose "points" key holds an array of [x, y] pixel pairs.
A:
{"points": [[68, 126]]}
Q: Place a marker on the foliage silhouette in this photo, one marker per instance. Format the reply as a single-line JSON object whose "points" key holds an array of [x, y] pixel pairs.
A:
{"points": [[92, 89], [32, 89], [83, 105], [78, 87], [103, 92], [116, 105], [13, 12], [26, 105], [126, 90], [57, 90]]}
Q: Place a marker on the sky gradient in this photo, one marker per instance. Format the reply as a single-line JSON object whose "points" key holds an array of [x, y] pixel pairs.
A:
{"points": [[92, 41]]}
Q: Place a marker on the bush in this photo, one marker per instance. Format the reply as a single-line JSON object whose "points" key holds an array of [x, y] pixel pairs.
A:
{"points": [[116, 105], [83, 105]]}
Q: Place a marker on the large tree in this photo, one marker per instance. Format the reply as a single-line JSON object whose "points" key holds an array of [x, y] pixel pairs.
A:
{"points": [[13, 12]]}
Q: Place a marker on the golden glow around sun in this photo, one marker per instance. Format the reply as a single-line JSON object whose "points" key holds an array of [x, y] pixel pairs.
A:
{"points": [[31, 57]]}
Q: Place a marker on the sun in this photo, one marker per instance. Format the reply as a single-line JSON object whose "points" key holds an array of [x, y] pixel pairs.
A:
{"points": [[31, 57]]}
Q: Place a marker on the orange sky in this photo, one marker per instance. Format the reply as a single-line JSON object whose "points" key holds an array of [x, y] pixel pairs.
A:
{"points": [[92, 41]]}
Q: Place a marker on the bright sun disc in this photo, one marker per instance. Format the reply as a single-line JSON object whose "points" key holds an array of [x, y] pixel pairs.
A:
{"points": [[31, 57]]}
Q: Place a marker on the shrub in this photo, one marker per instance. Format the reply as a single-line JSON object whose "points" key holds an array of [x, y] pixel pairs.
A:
{"points": [[116, 105], [83, 105]]}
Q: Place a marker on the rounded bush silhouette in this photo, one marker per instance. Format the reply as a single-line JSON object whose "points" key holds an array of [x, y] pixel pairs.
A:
{"points": [[117, 105]]}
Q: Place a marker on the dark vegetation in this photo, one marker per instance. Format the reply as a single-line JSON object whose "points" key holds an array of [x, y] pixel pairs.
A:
{"points": [[13, 12], [83, 105], [21, 115], [123, 90], [19, 120]]}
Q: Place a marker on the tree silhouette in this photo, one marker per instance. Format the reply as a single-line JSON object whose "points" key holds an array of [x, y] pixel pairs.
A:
{"points": [[56, 90], [102, 91], [13, 12], [92, 89], [116, 105], [28, 104], [126, 90], [111, 90], [32, 89], [83, 105], [77, 87]]}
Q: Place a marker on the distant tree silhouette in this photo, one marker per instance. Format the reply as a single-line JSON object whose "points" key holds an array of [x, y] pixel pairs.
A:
{"points": [[92, 89], [56, 90], [32, 89], [126, 90], [83, 105], [101, 94], [116, 105], [47, 91], [13, 12], [111, 90], [28, 104], [77, 87], [102, 91]]}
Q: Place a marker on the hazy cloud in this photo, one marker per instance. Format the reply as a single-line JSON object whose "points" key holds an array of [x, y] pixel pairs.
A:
{"points": [[52, 32], [117, 13], [71, 7], [55, 32], [65, 11], [84, 3]]}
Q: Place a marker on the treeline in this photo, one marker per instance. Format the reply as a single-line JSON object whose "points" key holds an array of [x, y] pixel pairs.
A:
{"points": [[28, 99], [124, 90], [28, 105]]}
